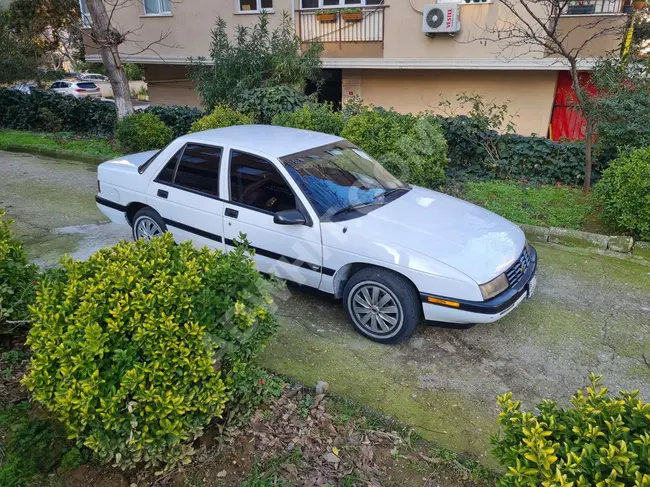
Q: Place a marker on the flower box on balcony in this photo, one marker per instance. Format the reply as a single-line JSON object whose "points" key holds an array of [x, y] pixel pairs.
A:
{"points": [[326, 15], [581, 9], [352, 14]]}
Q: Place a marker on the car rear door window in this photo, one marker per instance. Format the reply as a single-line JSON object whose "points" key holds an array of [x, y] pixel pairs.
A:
{"points": [[198, 169], [257, 183]]}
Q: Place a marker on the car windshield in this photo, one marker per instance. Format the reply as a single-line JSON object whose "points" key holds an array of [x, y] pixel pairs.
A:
{"points": [[340, 176]]}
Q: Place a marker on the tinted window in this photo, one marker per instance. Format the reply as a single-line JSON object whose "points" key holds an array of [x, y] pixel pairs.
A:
{"points": [[198, 169], [167, 174], [87, 85], [257, 183], [55, 85]]}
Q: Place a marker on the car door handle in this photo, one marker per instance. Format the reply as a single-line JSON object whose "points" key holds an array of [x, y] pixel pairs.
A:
{"points": [[231, 213], [162, 193]]}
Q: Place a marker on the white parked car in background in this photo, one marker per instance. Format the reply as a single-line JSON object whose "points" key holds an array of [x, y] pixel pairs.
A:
{"points": [[321, 212], [93, 77], [78, 89]]}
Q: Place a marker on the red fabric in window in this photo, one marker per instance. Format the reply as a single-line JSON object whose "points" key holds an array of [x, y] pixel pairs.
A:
{"points": [[566, 122]]}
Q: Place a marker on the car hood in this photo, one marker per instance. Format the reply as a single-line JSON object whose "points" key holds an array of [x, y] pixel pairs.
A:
{"points": [[474, 241]]}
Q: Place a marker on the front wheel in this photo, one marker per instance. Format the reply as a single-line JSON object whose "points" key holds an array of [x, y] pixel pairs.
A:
{"points": [[147, 224], [382, 305]]}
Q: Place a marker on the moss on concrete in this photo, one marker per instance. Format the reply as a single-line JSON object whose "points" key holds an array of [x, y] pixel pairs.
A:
{"points": [[575, 238], [641, 249]]}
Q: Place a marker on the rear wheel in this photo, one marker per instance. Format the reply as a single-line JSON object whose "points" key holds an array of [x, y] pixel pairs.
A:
{"points": [[147, 224], [382, 305]]}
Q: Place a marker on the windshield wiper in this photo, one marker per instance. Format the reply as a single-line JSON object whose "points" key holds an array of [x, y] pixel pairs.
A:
{"points": [[350, 208], [394, 190]]}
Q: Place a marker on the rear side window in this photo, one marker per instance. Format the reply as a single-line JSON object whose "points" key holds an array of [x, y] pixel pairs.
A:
{"points": [[166, 176], [198, 169], [87, 85]]}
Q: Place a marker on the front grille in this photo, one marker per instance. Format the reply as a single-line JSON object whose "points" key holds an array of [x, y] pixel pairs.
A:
{"points": [[518, 269]]}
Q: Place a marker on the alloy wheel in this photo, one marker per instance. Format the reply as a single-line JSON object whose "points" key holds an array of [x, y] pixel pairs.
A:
{"points": [[147, 228], [375, 309]]}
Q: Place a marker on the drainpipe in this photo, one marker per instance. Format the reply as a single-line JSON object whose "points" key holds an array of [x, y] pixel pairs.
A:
{"points": [[293, 13]]}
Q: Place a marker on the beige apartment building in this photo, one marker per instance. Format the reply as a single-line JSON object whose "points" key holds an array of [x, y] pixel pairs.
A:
{"points": [[385, 57]]}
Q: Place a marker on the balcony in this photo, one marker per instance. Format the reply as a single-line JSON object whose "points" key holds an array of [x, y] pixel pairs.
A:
{"points": [[362, 37], [597, 7]]}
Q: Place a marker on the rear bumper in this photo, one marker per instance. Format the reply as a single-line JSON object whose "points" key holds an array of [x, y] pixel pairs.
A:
{"points": [[481, 311]]}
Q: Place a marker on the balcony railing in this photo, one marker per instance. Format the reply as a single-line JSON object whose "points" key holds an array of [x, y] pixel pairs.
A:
{"points": [[370, 28], [595, 7]]}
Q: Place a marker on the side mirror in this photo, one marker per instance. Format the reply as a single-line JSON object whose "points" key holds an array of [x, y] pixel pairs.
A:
{"points": [[289, 217]]}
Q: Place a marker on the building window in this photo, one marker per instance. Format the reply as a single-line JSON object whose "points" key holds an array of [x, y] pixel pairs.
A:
{"points": [[255, 5], [339, 3], [85, 14], [156, 7]]}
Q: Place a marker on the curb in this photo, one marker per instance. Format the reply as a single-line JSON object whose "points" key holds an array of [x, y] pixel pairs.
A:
{"points": [[56, 154], [575, 238]]}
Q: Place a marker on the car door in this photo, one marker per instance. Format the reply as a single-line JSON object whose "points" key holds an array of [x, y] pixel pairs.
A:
{"points": [[185, 192], [258, 189], [56, 87]]}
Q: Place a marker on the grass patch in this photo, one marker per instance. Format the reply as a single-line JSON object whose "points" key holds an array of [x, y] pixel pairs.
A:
{"points": [[549, 206], [63, 142]]}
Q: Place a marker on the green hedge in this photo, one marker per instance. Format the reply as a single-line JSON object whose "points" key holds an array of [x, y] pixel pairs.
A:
{"points": [[43, 111], [178, 118]]}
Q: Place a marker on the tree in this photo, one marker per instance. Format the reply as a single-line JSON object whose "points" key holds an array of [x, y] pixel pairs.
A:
{"points": [[541, 27], [255, 58], [31, 31], [108, 38]]}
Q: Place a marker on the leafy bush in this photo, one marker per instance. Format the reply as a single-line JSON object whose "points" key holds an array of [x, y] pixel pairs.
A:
{"points": [[142, 132], [256, 57], [601, 441], [625, 192], [556, 206], [421, 156], [478, 154], [136, 349], [377, 131], [312, 116], [18, 276], [262, 104], [177, 118], [45, 111], [221, 116]]}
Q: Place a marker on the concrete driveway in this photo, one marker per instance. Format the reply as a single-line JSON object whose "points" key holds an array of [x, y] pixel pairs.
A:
{"points": [[591, 313]]}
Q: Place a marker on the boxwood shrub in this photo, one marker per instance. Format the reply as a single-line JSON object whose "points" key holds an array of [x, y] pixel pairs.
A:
{"points": [[142, 132], [625, 193], [17, 276], [136, 349], [601, 441], [221, 116], [319, 117]]}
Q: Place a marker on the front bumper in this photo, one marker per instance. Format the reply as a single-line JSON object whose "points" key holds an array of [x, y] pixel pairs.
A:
{"points": [[481, 311]]}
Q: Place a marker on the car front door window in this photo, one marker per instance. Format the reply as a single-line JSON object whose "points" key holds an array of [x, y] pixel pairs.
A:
{"points": [[255, 182]]}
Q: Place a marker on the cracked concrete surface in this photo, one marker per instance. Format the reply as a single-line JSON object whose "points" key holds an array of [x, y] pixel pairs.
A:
{"points": [[590, 313]]}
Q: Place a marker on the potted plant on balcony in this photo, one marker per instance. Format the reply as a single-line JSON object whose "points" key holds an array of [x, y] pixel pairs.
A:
{"points": [[581, 8], [351, 14], [326, 15]]}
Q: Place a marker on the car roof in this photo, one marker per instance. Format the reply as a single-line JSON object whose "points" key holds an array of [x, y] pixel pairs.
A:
{"points": [[269, 139]]}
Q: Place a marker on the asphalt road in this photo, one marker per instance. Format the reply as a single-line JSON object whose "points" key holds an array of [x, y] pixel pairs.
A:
{"points": [[591, 312]]}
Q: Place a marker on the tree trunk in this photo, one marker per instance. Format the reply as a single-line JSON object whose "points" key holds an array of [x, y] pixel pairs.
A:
{"points": [[589, 142], [108, 40]]}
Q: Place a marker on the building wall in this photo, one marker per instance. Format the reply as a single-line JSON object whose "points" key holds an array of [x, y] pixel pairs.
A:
{"points": [[529, 94], [168, 85]]}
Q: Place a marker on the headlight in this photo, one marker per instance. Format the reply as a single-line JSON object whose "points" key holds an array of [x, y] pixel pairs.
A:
{"points": [[494, 287]]}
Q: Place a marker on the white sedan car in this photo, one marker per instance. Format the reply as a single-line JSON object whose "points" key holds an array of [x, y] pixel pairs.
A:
{"points": [[321, 212]]}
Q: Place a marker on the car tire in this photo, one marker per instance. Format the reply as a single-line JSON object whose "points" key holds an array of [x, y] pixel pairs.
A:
{"points": [[147, 223], [382, 305]]}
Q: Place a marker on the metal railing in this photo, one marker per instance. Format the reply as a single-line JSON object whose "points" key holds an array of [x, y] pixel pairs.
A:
{"points": [[590, 7], [369, 29]]}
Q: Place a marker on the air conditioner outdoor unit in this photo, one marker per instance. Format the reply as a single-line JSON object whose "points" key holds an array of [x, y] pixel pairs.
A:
{"points": [[440, 18]]}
